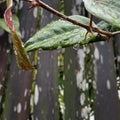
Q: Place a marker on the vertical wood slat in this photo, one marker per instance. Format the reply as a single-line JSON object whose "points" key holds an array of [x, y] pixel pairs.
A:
{"points": [[45, 99], [17, 102], [78, 73], [71, 91], [107, 105]]}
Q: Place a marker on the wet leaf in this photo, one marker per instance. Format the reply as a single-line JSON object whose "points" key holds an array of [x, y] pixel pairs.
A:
{"points": [[60, 33], [107, 10]]}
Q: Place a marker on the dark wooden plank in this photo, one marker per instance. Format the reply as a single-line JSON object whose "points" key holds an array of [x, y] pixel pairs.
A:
{"points": [[79, 74], [72, 68], [45, 99], [106, 92], [71, 91], [45, 102]]}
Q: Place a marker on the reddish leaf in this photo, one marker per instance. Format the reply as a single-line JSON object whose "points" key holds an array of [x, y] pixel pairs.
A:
{"points": [[8, 19]]}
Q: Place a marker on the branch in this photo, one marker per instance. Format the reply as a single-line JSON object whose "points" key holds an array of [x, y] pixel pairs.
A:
{"points": [[90, 28]]}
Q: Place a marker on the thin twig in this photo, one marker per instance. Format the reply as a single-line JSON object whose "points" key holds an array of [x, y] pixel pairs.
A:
{"points": [[87, 27]]}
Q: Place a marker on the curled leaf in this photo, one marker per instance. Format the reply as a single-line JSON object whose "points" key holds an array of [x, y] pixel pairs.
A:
{"points": [[21, 54], [8, 16]]}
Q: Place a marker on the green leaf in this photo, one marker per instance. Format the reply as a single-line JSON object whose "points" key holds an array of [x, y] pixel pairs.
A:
{"points": [[3, 25], [15, 22], [107, 10], [60, 33]]}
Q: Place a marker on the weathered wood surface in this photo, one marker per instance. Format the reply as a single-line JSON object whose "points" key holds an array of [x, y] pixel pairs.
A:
{"points": [[106, 90], [45, 99], [73, 61]]}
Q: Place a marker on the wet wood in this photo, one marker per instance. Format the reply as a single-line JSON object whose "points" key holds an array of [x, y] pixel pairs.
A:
{"points": [[71, 91], [45, 99], [106, 90]]}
